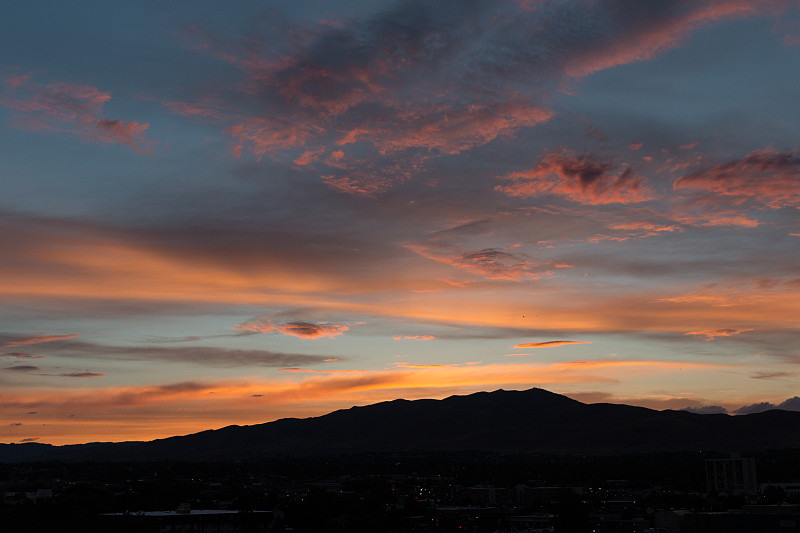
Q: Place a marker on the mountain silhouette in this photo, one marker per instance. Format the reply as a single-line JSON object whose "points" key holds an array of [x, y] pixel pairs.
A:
{"points": [[530, 421]]}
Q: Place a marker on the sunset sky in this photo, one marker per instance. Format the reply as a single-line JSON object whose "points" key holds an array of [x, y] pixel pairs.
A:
{"points": [[219, 213]]}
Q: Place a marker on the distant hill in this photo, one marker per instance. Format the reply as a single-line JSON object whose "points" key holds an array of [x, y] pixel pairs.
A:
{"points": [[532, 421]]}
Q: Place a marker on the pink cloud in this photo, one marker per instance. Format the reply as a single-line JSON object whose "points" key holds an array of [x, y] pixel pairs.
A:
{"points": [[578, 178], [415, 337], [115, 131], [452, 130], [369, 176], [36, 339], [640, 229], [265, 136], [634, 230], [424, 80], [327, 91], [16, 80], [765, 177], [659, 30], [69, 108], [689, 146]]}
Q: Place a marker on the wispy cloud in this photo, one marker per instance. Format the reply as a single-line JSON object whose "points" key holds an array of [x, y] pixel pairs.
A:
{"points": [[774, 375], [651, 29], [711, 334], [69, 108], [7, 341], [764, 177], [418, 81], [489, 263]]}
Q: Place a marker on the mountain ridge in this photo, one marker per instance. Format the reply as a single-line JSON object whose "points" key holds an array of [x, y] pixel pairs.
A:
{"points": [[528, 421]]}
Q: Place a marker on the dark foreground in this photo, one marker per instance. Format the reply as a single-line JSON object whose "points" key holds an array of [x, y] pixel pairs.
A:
{"points": [[477, 492]]}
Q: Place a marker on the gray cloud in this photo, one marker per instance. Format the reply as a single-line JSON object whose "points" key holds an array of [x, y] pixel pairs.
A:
{"points": [[21, 355], [790, 404], [773, 375], [81, 375], [755, 408], [23, 368], [706, 409], [216, 357]]}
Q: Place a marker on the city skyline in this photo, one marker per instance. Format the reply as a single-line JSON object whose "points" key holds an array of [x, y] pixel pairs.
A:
{"points": [[220, 215]]}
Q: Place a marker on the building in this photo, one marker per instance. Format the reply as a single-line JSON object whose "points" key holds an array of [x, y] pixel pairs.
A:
{"points": [[735, 475]]}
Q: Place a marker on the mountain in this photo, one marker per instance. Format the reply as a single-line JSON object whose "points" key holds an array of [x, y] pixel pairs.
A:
{"points": [[535, 421]]}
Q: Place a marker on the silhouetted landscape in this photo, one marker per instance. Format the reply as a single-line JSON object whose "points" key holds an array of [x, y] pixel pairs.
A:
{"points": [[501, 461], [531, 421]]}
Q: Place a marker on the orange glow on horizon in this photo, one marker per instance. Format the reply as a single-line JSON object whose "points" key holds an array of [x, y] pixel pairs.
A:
{"points": [[196, 406]]}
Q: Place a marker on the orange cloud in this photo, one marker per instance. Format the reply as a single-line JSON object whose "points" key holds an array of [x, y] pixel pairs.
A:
{"points": [[64, 261], [547, 344], [710, 334], [415, 337], [579, 179]]}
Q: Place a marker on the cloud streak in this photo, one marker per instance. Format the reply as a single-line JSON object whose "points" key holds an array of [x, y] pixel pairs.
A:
{"points": [[11, 342], [202, 355], [298, 328], [547, 344], [711, 334], [489, 263]]}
